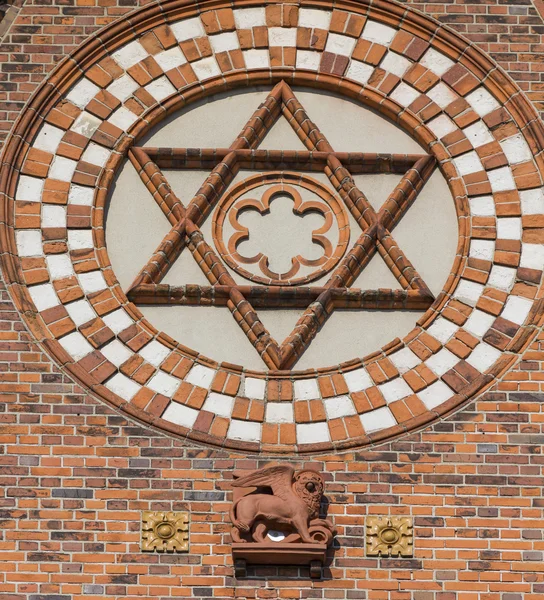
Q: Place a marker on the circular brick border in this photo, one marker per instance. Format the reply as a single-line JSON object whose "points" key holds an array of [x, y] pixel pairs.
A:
{"points": [[455, 101]]}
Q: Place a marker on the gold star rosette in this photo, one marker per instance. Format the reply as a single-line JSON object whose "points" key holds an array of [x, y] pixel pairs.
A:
{"points": [[165, 531], [389, 536]]}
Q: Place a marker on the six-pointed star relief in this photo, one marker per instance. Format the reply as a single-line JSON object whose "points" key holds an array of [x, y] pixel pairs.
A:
{"points": [[319, 302]]}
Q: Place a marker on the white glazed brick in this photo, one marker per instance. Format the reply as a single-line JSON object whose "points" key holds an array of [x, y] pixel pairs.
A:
{"points": [[516, 309], [358, 380], [308, 59], [116, 352], [483, 357], [86, 124], [509, 228], [254, 388], [188, 29], [43, 296], [96, 155], [123, 118], [257, 59], [206, 68], [442, 126], [516, 149], [442, 329], [468, 163], [123, 386], [62, 169], [80, 239], [162, 383], [59, 266], [339, 406], [478, 323], [502, 278], [130, 55], [436, 62], [312, 433], [468, 292], [180, 414], [404, 360], [282, 36], [247, 18], [359, 71], [76, 345], [48, 138], [53, 216], [82, 93], [92, 282], [201, 376], [435, 395], [29, 242], [306, 389], [170, 59], [29, 189], [160, 88], [340, 44], [442, 361], [478, 134], [279, 412], [83, 196], [80, 312], [224, 42], [378, 419], [118, 320], [482, 102], [396, 389], [482, 206], [395, 63], [312, 18], [404, 94], [482, 249], [532, 256], [245, 431], [123, 88], [219, 404], [532, 201], [154, 352], [442, 95], [377, 32]]}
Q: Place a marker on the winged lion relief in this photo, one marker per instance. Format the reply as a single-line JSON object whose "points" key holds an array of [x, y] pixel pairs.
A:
{"points": [[276, 518]]}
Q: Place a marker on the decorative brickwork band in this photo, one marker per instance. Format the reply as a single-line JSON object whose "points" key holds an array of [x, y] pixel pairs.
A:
{"points": [[471, 120]]}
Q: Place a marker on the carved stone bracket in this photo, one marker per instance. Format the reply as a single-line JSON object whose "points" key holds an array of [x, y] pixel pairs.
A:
{"points": [[165, 531], [275, 553], [389, 536]]}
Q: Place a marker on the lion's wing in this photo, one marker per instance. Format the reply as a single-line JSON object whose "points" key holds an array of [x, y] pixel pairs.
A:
{"points": [[279, 478]]}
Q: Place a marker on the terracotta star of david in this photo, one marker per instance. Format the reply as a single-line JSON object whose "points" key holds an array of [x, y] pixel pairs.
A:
{"points": [[242, 300]]}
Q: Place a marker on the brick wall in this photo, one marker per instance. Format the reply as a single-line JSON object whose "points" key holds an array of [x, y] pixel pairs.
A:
{"points": [[75, 475]]}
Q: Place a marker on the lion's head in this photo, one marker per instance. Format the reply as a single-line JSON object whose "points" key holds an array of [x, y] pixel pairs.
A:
{"points": [[308, 486]]}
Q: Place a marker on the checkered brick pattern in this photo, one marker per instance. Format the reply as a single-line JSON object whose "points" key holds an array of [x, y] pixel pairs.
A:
{"points": [[77, 474], [481, 130]]}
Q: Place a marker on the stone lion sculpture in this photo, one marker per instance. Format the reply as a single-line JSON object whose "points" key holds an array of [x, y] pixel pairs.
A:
{"points": [[281, 500]]}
